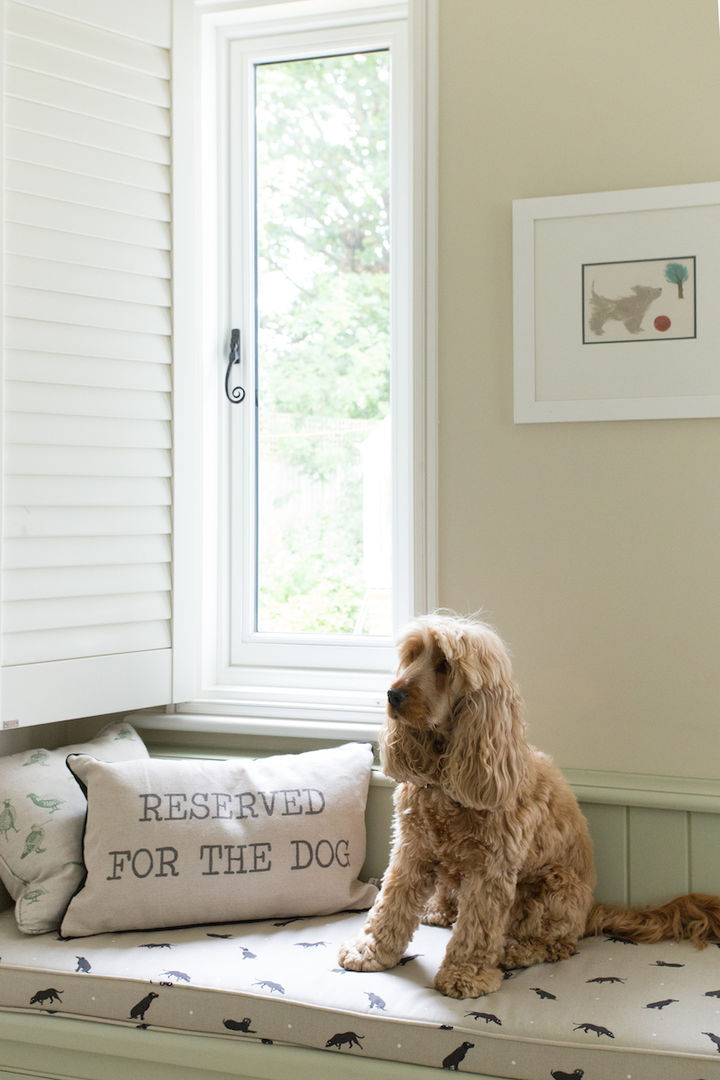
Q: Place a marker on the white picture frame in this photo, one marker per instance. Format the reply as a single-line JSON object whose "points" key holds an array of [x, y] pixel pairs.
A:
{"points": [[617, 305]]}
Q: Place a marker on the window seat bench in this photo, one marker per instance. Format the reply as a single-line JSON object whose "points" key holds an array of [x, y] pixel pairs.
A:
{"points": [[267, 1000], [250, 997]]}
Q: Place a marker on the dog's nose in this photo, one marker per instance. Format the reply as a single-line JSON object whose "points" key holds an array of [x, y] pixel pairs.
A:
{"points": [[396, 697]]}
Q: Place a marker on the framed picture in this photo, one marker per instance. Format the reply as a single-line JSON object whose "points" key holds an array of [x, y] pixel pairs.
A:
{"points": [[617, 305]]}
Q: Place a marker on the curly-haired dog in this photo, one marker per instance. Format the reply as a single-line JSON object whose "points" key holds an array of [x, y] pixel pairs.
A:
{"points": [[489, 837]]}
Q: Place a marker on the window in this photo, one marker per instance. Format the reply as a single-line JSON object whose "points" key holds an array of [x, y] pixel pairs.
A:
{"points": [[321, 551], [312, 506]]}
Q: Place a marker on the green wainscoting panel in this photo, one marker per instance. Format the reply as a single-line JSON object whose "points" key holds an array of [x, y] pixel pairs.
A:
{"points": [[705, 853], [659, 856], [608, 828], [378, 821]]}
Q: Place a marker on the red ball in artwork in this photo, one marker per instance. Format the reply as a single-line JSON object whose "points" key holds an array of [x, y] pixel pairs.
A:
{"points": [[662, 323]]}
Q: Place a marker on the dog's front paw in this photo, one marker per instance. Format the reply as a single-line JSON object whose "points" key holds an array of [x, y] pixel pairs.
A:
{"points": [[466, 981], [363, 953]]}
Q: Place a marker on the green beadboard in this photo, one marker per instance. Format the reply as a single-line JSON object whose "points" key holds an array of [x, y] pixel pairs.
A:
{"points": [[658, 855], [608, 828], [704, 833]]}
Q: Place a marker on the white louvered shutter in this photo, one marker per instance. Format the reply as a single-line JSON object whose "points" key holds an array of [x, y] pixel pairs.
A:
{"points": [[86, 551]]}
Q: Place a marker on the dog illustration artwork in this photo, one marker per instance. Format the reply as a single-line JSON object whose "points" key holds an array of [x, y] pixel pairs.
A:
{"points": [[488, 835], [345, 1038], [83, 964], [240, 1025], [453, 1060], [661, 1004], [273, 987], [576, 1074], [715, 1039], [138, 1011], [629, 310], [43, 997], [596, 1029], [489, 1018]]}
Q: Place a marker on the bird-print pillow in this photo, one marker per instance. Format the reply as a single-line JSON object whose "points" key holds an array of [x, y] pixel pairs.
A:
{"points": [[42, 814], [183, 842]]}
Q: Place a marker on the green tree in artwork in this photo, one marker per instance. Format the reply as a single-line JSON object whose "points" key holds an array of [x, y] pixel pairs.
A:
{"points": [[676, 274]]}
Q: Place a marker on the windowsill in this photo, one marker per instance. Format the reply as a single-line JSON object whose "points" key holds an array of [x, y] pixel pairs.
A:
{"points": [[217, 723]]}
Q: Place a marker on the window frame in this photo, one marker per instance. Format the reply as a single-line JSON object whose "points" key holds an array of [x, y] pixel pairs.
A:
{"points": [[338, 681]]}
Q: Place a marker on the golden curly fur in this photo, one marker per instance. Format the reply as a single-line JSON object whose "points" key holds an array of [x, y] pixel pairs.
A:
{"points": [[489, 838]]}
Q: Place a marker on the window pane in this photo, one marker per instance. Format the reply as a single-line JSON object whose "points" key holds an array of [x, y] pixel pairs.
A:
{"points": [[323, 346]]}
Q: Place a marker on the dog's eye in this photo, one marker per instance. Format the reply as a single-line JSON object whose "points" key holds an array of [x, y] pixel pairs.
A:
{"points": [[442, 667]]}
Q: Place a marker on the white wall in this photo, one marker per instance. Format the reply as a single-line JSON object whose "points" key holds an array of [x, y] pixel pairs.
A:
{"points": [[592, 546]]}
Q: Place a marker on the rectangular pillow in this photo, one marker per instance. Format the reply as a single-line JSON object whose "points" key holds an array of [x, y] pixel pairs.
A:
{"points": [[182, 842], [41, 824]]}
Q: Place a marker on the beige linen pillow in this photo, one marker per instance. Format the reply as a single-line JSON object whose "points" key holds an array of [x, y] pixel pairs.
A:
{"points": [[182, 842], [41, 824]]}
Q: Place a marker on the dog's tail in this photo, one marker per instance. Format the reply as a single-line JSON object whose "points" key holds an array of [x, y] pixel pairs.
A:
{"points": [[695, 918]]}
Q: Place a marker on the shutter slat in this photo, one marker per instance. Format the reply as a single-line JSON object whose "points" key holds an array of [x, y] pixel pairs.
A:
{"points": [[51, 244], [78, 581], [118, 49], [86, 431], [86, 341], [41, 552], [76, 461], [86, 220], [72, 187], [33, 521], [30, 366], [72, 643], [25, 616], [63, 277], [87, 131], [23, 303], [52, 153], [86, 100], [66, 64], [56, 491], [86, 401]]}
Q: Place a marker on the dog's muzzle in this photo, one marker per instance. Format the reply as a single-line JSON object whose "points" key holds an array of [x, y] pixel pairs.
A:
{"points": [[396, 698]]}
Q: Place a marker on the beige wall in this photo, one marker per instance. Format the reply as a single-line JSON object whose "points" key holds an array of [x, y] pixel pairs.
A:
{"points": [[593, 547]]}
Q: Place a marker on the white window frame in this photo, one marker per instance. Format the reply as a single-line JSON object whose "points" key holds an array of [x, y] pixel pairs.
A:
{"points": [[320, 679]]}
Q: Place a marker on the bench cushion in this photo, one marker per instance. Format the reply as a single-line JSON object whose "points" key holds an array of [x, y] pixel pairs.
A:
{"points": [[615, 1011]]}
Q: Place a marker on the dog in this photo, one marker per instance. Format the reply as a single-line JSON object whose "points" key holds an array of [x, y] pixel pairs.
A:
{"points": [[629, 310], [488, 835]]}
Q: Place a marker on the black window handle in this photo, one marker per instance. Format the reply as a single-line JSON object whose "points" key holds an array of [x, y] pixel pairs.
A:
{"points": [[237, 394]]}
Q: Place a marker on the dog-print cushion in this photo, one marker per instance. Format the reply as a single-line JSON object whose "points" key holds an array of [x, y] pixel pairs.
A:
{"points": [[613, 1011], [41, 822], [177, 842]]}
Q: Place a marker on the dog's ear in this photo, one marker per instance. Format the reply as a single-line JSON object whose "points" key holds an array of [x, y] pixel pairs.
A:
{"points": [[408, 753], [485, 759]]}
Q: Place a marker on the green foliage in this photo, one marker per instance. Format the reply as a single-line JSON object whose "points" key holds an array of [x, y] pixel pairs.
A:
{"points": [[323, 324]]}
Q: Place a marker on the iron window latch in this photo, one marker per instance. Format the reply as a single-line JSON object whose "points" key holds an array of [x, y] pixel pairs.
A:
{"points": [[237, 394]]}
